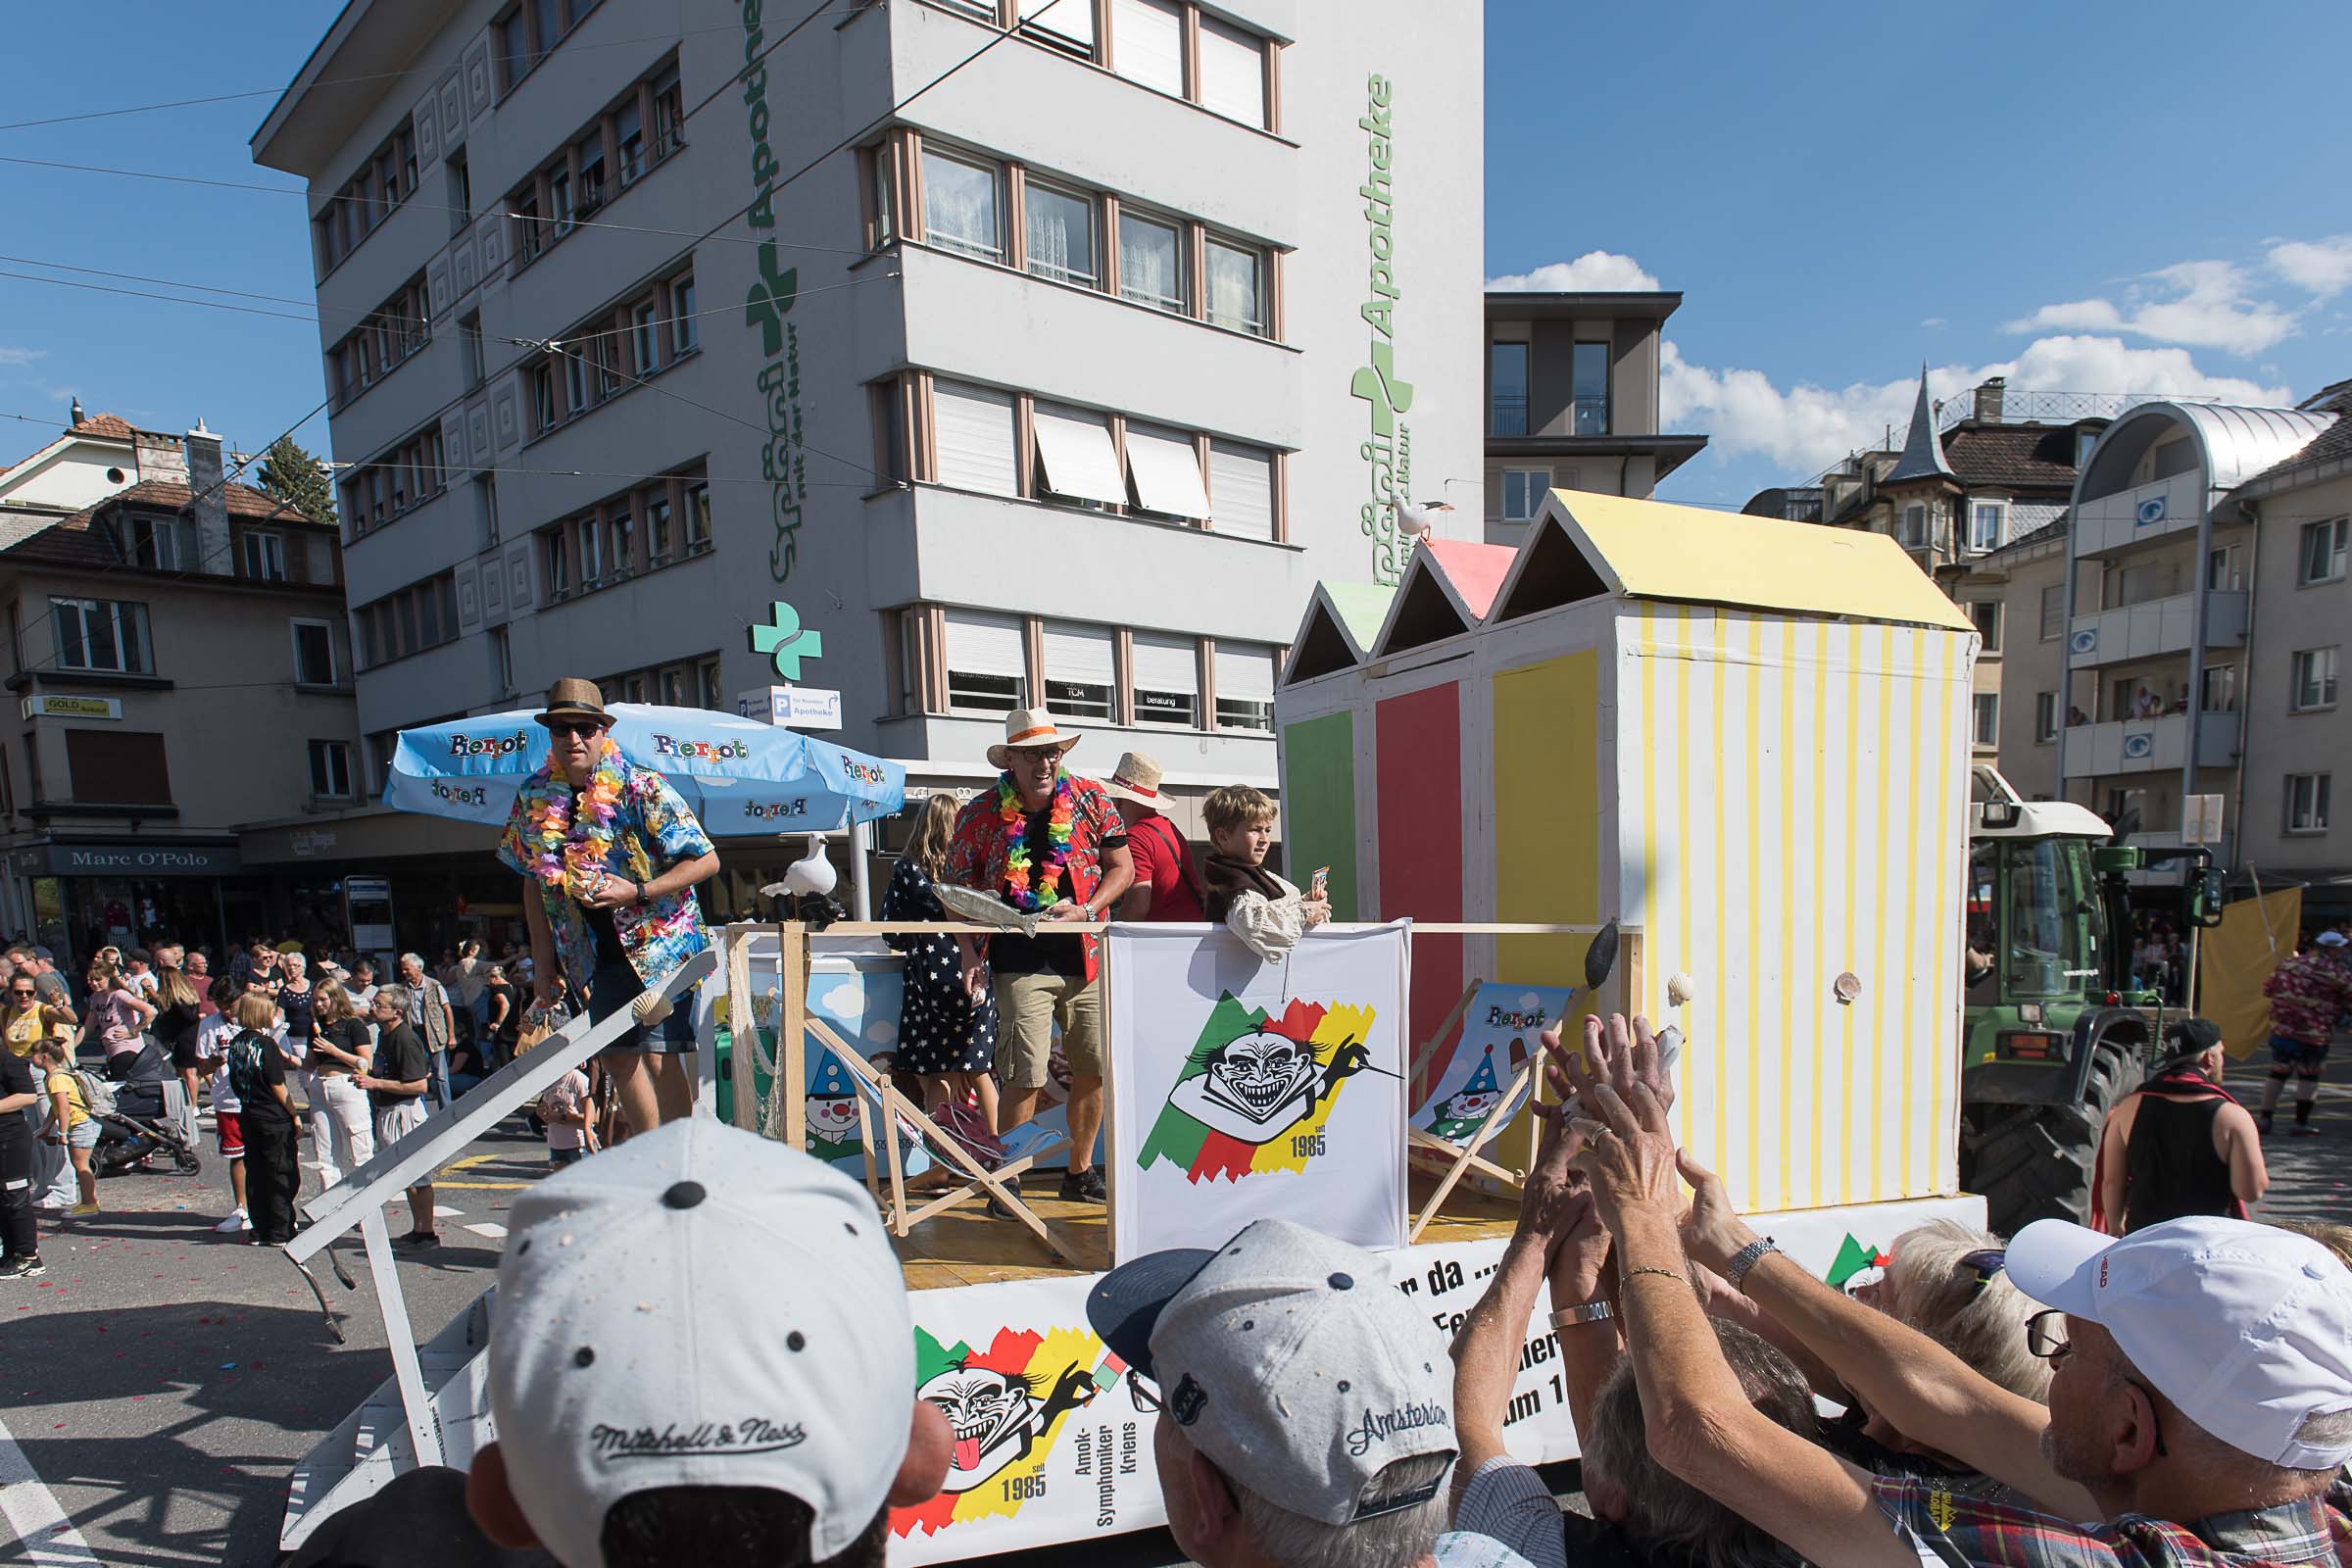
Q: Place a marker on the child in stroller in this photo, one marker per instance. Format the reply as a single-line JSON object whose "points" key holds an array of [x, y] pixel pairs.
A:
{"points": [[138, 1128]]}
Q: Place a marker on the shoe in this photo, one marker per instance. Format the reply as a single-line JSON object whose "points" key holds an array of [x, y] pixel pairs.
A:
{"points": [[1011, 1185], [2301, 1129], [418, 1240], [239, 1221], [1084, 1187], [2262, 1122], [82, 1211], [23, 1269]]}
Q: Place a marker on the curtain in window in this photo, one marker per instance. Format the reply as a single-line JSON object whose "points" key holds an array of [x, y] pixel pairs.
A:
{"points": [[1061, 240], [960, 205], [1233, 289], [1147, 270]]}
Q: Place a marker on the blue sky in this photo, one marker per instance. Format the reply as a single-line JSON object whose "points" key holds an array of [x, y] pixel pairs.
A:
{"points": [[1841, 191]]}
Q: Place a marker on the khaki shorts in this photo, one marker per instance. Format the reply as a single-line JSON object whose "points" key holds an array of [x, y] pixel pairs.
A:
{"points": [[1028, 1007]]}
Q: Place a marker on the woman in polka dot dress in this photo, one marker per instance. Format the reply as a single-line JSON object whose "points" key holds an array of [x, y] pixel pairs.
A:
{"points": [[945, 1038]]}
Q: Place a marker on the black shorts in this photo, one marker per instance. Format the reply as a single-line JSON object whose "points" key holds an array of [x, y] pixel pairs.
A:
{"points": [[183, 1054]]}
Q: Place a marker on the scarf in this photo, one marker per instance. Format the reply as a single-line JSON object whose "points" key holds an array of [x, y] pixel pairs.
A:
{"points": [[1225, 879], [2186, 1084], [1027, 887], [572, 830]]}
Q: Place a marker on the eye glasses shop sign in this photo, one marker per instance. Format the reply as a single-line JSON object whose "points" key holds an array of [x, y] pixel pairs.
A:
{"points": [[128, 859]]}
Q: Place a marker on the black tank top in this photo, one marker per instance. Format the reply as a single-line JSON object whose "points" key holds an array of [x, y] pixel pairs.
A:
{"points": [[2171, 1164]]}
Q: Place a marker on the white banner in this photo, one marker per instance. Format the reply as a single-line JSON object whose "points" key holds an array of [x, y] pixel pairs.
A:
{"points": [[1243, 1091]]}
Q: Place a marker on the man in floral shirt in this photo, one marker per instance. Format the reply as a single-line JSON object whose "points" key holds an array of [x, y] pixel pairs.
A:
{"points": [[1052, 844], [610, 857], [2308, 994]]}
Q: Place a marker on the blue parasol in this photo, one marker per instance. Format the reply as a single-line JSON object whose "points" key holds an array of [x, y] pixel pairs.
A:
{"points": [[741, 776]]}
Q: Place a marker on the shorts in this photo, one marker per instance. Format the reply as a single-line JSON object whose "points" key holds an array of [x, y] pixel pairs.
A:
{"points": [[231, 1129], [560, 1157], [2298, 1053], [613, 987], [83, 1134], [392, 1121], [1028, 1007], [183, 1054]]}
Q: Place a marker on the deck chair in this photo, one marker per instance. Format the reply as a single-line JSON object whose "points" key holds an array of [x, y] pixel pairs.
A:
{"points": [[1459, 1153], [886, 1116]]}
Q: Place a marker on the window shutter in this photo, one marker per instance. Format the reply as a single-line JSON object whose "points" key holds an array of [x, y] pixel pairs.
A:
{"points": [[982, 644], [1242, 480], [1072, 20], [1078, 454], [1165, 663], [1148, 43], [1078, 654], [1167, 473], [1233, 73], [975, 438]]}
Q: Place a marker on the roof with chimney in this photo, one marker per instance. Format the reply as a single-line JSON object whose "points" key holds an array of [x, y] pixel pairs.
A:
{"points": [[2016, 456], [1923, 450], [91, 537]]}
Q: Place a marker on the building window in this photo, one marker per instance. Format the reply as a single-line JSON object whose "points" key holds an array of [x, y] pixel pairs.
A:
{"points": [[469, 350], [1075, 460], [387, 337], [2220, 688], [1988, 522], [1915, 526], [460, 182], [502, 659], [2307, 802], [102, 634], [1246, 689], [1233, 73], [1523, 493], [313, 653], [1507, 374], [973, 431], [963, 205], [2085, 440], [2322, 554], [117, 767], [1080, 671], [1241, 490], [265, 553], [1236, 276], [577, 180], [543, 397], [2222, 574], [385, 179], [683, 334], [1165, 673], [1147, 43], [330, 770], [2053, 612], [645, 332], [987, 661], [557, 545], [698, 516], [1151, 269], [1067, 25], [669, 114], [164, 544], [421, 615], [1986, 613], [660, 531], [1165, 467], [2314, 679], [1987, 713], [2045, 717], [575, 379], [1589, 388], [1060, 229]]}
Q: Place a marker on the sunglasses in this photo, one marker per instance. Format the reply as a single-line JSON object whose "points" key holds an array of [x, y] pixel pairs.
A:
{"points": [[1986, 1264], [1047, 755], [562, 727]]}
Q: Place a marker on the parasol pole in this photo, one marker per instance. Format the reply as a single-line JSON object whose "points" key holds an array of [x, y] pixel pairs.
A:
{"points": [[862, 849]]}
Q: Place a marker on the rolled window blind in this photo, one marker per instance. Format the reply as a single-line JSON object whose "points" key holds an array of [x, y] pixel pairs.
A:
{"points": [[974, 429], [1242, 489], [1147, 43], [1233, 73]]}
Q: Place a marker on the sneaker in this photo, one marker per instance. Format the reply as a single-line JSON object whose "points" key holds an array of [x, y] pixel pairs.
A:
{"points": [[2303, 1129], [239, 1221], [23, 1269], [1084, 1187], [418, 1240], [82, 1211], [1011, 1185]]}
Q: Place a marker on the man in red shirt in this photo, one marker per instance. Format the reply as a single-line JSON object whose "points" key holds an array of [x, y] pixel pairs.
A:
{"points": [[2308, 994], [1166, 885]]}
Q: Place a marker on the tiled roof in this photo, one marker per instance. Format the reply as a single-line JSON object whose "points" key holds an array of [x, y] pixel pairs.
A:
{"points": [[2024, 455], [113, 427], [244, 500], [74, 542]]}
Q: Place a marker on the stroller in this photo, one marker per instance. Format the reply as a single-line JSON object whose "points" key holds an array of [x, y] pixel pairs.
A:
{"points": [[142, 1125]]}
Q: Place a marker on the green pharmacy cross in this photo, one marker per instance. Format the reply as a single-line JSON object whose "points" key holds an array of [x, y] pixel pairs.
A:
{"points": [[785, 641]]}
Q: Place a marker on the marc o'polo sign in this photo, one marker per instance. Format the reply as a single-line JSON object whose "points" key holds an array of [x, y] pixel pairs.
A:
{"points": [[130, 859], [52, 706]]}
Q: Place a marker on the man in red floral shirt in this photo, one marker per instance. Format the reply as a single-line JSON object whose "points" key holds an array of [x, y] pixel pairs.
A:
{"points": [[1052, 844], [2308, 993]]}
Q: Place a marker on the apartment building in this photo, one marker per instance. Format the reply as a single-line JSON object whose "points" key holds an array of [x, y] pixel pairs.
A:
{"points": [[1572, 402], [2206, 621], [182, 667], [1111, 328]]}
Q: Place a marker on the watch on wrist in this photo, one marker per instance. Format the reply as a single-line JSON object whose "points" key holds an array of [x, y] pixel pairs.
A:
{"points": [[1744, 1261], [1587, 1312]]}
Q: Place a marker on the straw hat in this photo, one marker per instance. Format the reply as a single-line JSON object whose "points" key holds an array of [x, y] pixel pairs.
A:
{"points": [[1136, 779], [574, 698], [1027, 729]]}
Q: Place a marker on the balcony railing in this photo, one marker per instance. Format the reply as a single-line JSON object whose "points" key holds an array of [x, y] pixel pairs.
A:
{"points": [[1506, 413], [2154, 628], [2148, 745]]}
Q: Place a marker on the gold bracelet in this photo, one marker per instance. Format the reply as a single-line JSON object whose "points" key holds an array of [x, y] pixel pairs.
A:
{"points": [[1647, 1268]]}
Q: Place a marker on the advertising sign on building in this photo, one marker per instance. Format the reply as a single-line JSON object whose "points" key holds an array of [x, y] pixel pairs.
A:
{"points": [[73, 708], [793, 707]]}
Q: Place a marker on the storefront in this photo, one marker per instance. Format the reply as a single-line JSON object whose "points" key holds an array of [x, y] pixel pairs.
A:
{"points": [[78, 897]]}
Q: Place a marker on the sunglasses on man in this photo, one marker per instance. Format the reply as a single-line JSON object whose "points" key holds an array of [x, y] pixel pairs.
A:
{"points": [[562, 728]]}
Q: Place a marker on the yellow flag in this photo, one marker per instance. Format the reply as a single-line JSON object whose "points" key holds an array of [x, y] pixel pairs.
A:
{"points": [[2237, 956]]}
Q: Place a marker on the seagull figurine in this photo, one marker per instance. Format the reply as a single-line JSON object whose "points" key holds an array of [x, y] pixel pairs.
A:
{"points": [[811, 876]]}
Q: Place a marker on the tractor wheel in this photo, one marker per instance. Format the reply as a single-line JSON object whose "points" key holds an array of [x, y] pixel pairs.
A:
{"points": [[2034, 1163]]}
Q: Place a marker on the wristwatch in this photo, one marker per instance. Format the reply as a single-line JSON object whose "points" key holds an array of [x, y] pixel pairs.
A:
{"points": [[1587, 1312], [1746, 1259]]}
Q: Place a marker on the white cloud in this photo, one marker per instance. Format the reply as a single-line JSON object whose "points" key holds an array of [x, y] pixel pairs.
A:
{"points": [[845, 999], [2324, 268], [1932, 321], [17, 358], [1806, 428], [2200, 303], [1594, 273]]}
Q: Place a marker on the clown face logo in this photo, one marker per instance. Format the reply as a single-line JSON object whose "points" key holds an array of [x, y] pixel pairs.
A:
{"points": [[1469, 1105], [1253, 1089], [998, 1417], [833, 1119]]}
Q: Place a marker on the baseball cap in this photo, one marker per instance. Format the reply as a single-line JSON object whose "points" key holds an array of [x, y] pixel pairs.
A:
{"points": [[2196, 1037], [699, 1306], [1289, 1360], [2333, 939], [2246, 1328]]}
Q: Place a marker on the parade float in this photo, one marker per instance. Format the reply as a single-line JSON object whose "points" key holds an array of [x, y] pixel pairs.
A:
{"points": [[1709, 768]]}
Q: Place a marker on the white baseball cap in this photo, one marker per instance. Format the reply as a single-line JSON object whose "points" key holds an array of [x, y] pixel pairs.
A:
{"points": [[2245, 1327], [1289, 1360], [699, 1306]]}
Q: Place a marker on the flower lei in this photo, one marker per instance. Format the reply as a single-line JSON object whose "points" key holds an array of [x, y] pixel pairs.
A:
{"points": [[571, 831], [1018, 872]]}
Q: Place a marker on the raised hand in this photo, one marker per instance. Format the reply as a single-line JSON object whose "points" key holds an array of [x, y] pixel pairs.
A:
{"points": [[1713, 1233], [1629, 1153]]}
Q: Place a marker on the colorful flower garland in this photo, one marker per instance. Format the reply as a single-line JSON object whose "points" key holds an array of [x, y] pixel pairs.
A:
{"points": [[572, 829], [1018, 872]]}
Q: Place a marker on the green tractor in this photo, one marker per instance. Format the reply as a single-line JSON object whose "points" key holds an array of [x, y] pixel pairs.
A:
{"points": [[2056, 1030]]}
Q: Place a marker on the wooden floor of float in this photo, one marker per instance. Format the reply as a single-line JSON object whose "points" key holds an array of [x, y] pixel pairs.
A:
{"points": [[966, 1246]]}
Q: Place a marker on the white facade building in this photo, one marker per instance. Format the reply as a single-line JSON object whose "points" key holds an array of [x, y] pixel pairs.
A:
{"points": [[1101, 338]]}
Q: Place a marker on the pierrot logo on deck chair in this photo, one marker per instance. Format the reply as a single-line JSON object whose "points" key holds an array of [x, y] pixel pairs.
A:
{"points": [[700, 751], [1258, 1089]]}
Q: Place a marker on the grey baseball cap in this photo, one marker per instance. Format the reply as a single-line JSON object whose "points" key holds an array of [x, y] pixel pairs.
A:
{"points": [[1289, 1359]]}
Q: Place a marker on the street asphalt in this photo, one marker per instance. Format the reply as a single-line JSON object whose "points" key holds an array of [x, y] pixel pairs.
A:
{"points": [[161, 1381]]}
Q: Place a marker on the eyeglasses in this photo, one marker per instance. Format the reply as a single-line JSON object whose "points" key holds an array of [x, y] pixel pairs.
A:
{"points": [[2045, 1336], [22, 995], [1142, 1392], [1047, 755], [561, 727]]}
